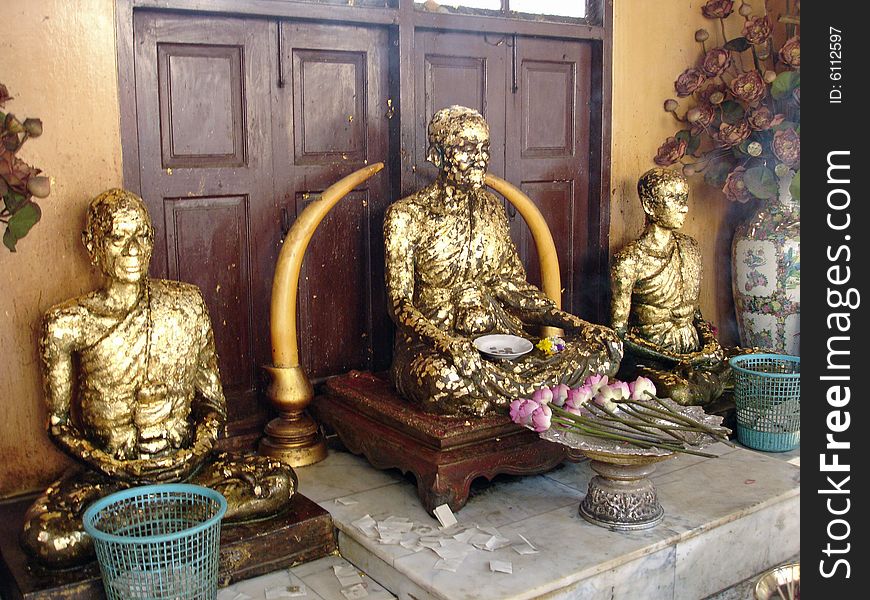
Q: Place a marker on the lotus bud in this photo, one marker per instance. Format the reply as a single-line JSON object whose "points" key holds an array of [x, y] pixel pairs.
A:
{"points": [[39, 186], [754, 149], [12, 124], [717, 98], [745, 10], [702, 35], [33, 127], [671, 105], [769, 76], [693, 114]]}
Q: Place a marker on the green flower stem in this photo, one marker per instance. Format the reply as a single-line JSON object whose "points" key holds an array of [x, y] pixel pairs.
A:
{"points": [[597, 410], [649, 437], [600, 433], [717, 432], [662, 445], [644, 429], [670, 430]]}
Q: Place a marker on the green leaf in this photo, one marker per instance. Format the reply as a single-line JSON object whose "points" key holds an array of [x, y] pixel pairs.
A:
{"points": [[761, 182], [716, 173], [694, 142], [23, 219], [732, 112], [737, 44], [795, 187], [13, 200], [784, 83], [9, 239], [683, 134]]}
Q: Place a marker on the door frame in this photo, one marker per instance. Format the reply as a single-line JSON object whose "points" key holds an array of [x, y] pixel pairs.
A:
{"points": [[403, 20]]}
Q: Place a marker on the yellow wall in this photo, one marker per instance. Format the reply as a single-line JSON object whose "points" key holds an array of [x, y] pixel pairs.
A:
{"points": [[58, 60], [653, 42]]}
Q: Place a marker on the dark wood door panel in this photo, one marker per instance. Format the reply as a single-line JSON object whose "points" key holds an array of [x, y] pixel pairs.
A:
{"points": [[201, 105], [335, 277], [331, 119], [464, 69], [548, 118], [202, 88], [329, 97], [555, 200], [208, 246]]}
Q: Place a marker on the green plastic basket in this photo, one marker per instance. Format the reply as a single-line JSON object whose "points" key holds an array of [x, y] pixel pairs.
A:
{"points": [[158, 542], [767, 392]]}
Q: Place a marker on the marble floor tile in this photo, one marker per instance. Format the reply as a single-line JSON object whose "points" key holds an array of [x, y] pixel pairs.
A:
{"points": [[317, 578], [340, 475], [716, 490], [725, 520]]}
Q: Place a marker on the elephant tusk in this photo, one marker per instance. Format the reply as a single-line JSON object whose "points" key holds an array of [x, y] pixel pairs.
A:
{"points": [[285, 285], [551, 278]]}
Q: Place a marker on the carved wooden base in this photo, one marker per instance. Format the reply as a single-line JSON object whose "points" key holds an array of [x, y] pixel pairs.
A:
{"points": [[622, 497], [303, 532], [445, 454]]}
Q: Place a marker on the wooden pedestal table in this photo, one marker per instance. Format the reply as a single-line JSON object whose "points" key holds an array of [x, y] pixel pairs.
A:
{"points": [[445, 454]]}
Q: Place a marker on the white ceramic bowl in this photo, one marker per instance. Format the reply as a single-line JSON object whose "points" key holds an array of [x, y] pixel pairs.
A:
{"points": [[503, 346]]}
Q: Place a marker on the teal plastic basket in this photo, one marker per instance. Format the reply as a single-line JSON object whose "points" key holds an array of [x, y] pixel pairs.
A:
{"points": [[767, 393], [158, 542]]}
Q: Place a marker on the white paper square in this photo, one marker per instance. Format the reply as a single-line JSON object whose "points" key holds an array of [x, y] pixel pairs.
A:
{"points": [[355, 592], [277, 593], [347, 575], [451, 565], [445, 516], [501, 566]]}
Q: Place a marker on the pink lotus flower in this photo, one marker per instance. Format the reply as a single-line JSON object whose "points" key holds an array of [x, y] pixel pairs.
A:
{"points": [[577, 397], [521, 411], [541, 417], [639, 387], [616, 390], [560, 394], [542, 395], [596, 382]]}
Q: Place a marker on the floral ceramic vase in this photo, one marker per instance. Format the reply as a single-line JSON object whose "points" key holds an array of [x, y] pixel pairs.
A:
{"points": [[766, 278]]}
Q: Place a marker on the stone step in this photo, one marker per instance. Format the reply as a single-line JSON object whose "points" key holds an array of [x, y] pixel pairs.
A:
{"points": [[726, 519]]}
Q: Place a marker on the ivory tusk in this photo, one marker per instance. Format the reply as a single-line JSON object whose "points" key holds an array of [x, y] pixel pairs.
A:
{"points": [[551, 278], [285, 285]]}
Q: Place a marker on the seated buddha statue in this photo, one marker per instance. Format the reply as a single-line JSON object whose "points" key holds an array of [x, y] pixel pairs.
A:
{"points": [[655, 286], [453, 274], [134, 393]]}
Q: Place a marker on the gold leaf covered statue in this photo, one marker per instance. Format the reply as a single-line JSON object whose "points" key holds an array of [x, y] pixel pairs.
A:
{"points": [[655, 283], [453, 274], [134, 393]]}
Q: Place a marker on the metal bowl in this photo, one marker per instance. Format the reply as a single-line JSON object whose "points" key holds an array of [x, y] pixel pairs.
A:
{"points": [[780, 583]]}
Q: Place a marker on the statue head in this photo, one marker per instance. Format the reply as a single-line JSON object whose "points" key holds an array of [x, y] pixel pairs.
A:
{"points": [[119, 236], [459, 145], [664, 195]]}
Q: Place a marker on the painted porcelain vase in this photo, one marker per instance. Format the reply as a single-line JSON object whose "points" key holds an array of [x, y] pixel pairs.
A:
{"points": [[766, 278]]}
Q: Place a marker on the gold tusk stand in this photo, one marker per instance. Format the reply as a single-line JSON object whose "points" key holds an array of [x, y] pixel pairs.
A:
{"points": [[293, 437]]}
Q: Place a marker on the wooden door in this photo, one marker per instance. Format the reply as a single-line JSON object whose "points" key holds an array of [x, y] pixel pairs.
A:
{"points": [[205, 147], [331, 118], [548, 123], [535, 94], [464, 69]]}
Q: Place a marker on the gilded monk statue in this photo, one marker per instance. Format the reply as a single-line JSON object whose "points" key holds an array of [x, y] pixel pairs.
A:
{"points": [[453, 274], [655, 283], [134, 393]]}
